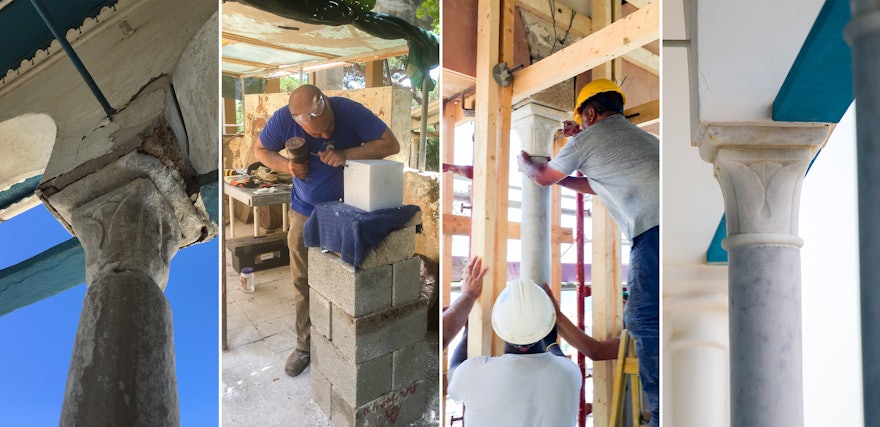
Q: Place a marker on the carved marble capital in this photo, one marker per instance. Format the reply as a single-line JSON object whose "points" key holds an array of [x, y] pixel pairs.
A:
{"points": [[130, 229], [535, 124], [760, 169]]}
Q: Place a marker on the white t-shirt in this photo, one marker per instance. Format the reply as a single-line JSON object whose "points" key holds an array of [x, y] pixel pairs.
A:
{"points": [[528, 390], [622, 163]]}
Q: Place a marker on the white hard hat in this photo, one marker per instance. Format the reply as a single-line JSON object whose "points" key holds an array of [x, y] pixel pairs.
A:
{"points": [[523, 313]]}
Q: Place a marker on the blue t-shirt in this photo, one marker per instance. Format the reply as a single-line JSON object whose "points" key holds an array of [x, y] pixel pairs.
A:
{"points": [[355, 124]]}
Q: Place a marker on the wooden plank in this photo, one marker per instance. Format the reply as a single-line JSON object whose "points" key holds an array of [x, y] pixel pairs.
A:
{"points": [[606, 302], [582, 26], [433, 110], [606, 245], [640, 3], [613, 41], [374, 73], [487, 219], [455, 83], [447, 155], [236, 38], [229, 112], [647, 113], [460, 225], [248, 63], [556, 223], [337, 61], [562, 14], [273, 86], [644, 59], [483, 194]]}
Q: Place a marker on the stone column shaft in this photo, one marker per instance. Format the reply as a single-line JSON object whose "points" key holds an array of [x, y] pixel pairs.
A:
{"points": [[863, 34], [122, 370]]}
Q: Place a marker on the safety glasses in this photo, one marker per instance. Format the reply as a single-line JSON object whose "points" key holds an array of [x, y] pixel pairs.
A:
{"points": [[316, 110]]}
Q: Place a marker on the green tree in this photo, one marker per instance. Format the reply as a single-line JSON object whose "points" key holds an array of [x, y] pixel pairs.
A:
{"points": [[430, 9]]}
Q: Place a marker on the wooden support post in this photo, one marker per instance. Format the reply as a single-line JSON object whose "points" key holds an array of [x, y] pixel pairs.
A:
{"points": [[273, 85], [607, 304], [374, 73], [447, 155], [229, 115], [555, 223], [607, 316], [491, 152]]}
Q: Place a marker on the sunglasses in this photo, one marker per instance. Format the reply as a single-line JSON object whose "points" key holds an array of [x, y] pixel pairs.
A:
{"points": [[316, 110]]}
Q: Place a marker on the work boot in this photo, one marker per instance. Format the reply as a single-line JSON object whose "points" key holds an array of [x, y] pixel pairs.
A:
{"points": [[296, 363]]}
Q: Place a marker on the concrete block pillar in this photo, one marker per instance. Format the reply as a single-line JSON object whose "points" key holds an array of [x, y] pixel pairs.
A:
{"points": [[535, 124], [863, 34], [760, 170], [129, 193], [368, 334]]}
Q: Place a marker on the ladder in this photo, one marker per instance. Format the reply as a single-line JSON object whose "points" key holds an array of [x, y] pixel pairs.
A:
{"points": [[627, 368]]}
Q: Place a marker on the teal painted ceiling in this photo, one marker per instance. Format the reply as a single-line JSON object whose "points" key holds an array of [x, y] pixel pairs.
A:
{"points": [[23, 33]]}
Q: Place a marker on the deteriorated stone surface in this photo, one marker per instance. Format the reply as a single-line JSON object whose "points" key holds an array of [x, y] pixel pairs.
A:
{"points": [[122, 369]]}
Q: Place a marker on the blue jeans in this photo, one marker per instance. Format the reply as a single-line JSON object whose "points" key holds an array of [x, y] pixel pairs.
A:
{"points": [[642, 313]]}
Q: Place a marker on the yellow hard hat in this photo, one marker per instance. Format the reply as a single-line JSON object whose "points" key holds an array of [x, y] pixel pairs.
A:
{"points": [[592, 88]]}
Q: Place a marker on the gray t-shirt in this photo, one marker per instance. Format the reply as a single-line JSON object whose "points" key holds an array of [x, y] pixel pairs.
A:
{"points": [[622, 163]]}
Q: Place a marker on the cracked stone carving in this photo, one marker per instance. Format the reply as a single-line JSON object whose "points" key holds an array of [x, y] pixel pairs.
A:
{"points": [[130, 229]]}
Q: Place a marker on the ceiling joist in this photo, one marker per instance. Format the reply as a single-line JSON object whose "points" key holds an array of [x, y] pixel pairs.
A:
{"points": [[235, 38], [581, 26], [613, 41], [640, 3]]}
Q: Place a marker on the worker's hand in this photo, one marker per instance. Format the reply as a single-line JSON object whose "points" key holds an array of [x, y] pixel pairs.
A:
{"points": [[523, 160], [298, 170], [333, 157], [472, 282], [552, 298]]}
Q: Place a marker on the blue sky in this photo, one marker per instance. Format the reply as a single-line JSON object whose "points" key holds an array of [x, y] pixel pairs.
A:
{"points": [[36, 342]]}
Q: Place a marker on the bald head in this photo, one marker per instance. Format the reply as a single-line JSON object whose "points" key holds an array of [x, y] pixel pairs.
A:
{"points": [[303, 98], [309, 102]]}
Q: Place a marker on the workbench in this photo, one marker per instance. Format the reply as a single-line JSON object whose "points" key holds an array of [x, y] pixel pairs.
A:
{"points": [[254, 199]]}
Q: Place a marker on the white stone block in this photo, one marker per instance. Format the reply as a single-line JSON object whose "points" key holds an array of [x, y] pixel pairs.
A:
{"points": [[373, 184]]}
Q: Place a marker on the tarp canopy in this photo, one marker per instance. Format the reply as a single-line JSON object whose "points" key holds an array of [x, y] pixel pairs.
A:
{"points": [[424, 47]]}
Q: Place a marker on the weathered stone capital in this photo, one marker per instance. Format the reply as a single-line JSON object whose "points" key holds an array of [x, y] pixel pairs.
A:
{"points": [[130, 229], [132, 215], [760, 169]]}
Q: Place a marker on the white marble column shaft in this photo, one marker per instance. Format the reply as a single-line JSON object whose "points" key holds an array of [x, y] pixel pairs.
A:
{"points": [[695, 319], [535, 125]]}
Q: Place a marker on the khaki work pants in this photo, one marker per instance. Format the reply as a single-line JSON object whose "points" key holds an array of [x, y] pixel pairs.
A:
{"points": [[299, 271]]}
